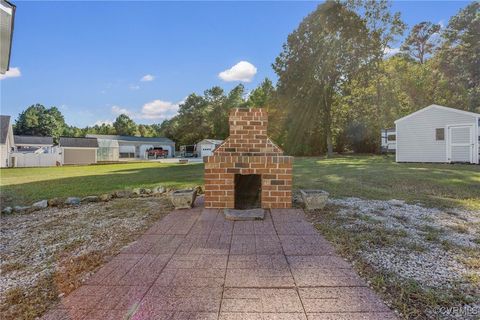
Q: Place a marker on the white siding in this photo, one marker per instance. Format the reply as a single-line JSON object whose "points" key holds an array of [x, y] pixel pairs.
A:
{"points": [[416, 140]]}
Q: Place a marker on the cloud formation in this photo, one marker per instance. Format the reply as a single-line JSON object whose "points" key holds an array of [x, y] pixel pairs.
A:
{"points": [[147, 77], [158, 110], [153, 110], [243, 71], [106, 122], [12, 73], [117, 110]]}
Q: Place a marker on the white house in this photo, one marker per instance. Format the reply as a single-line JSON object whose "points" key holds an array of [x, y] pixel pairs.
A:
{"points": [[6, 140], [438, 134], [34, 151], [206, 146]]}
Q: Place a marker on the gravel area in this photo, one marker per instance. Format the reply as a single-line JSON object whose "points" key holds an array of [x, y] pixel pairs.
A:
{"points": [[438, 249], [41, 244]]}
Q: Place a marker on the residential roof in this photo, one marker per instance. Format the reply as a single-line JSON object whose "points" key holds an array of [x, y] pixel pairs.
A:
{"points": [[436, 106], [4, 126], [211, 141], [33, 140], [78, 142], [131, 138]]}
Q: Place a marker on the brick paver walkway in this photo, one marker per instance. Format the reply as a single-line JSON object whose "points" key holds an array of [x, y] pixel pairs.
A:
{"points": [[194, 264]]}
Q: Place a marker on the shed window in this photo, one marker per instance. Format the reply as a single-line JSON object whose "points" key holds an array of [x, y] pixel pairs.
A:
{"points": [[440, 134], [392, 137]]}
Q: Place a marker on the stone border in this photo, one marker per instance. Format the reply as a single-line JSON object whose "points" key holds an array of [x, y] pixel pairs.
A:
{"points": [[105, 197]]}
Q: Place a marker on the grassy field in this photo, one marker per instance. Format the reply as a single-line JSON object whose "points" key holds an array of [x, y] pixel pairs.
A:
{"points": [[371, 177]]}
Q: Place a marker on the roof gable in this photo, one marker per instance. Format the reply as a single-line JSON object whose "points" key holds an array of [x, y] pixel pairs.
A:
{"points": [[436, 106]]}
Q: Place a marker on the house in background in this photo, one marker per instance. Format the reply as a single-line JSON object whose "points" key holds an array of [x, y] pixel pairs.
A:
{"points": [[34, 151], [6, 140], [131, 147], [33, 144], [78, 150], [206, 146], [438, 134]]}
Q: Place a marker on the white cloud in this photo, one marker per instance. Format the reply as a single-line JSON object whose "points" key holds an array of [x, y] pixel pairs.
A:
{"points": [[134, 87], [388, 52], [158, 110], [12, 73], [119, 110], [147, 77], [242, 71], [100, 122], [153, 110]]}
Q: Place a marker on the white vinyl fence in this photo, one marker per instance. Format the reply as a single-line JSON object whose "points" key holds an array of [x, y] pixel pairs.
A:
{"points": [[19, 159]]}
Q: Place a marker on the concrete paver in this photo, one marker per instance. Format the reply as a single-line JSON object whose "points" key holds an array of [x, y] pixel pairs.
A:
{"points": [[194, 264]]}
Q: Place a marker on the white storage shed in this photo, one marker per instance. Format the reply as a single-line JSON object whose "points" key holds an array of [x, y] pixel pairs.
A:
{"points": [[206, 146], [438, 134]]}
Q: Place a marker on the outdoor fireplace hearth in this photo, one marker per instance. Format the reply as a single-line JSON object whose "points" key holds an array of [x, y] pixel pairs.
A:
{"points": [[248, 170]]}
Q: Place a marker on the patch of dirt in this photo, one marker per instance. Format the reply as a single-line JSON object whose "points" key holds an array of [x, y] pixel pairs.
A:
{"points": [[48, 253], [432, 252]]}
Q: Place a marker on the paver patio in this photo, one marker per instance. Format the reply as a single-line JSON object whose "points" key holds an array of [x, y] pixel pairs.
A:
{"points": [[194, 264]]}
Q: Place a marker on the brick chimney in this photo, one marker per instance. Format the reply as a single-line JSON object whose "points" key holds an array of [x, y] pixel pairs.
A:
{"points": [[248, 170]]}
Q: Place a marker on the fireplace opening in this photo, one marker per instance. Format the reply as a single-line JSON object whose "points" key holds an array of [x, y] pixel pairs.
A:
{"points": [[248, 191]]}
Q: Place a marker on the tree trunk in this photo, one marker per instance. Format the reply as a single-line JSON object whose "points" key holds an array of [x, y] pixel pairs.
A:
{"points": [[329, 144], [327, 100]]}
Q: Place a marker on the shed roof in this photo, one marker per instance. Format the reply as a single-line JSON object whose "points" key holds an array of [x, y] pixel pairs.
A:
{"points": [[436, 106], [33, 140], [131, 138], [78, 142], [4, 126]]}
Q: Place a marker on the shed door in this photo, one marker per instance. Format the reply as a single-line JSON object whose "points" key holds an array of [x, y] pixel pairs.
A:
{"points": [[461, 143]]}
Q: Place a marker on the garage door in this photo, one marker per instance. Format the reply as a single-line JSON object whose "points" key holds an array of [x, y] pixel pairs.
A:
{"points": [[79, 156], [461, 143]]}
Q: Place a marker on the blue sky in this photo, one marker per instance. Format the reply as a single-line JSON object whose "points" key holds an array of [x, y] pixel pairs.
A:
{"points": [[95, 60]]}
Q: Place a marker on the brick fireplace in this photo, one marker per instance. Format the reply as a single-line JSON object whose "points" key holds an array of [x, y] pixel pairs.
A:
{"points": [[248, 170]]}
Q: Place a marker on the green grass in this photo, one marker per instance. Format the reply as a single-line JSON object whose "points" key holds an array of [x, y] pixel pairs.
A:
{"points": [[380, 177], [371, 177], [26, 185]]}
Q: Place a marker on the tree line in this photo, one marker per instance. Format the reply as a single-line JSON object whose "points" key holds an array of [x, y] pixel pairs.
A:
{"points": [[339, 82]]}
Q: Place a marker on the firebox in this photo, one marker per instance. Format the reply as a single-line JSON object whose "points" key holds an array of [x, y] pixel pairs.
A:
{"points": [[248, 188], [248, 170]]}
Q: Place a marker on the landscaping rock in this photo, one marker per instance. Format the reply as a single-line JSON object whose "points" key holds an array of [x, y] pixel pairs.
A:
{"points": [[40, 204], [314, 199], [105, 197], [72, 201], [159, 190], [137, 191], [56, 202], [183, 199], [7, 210], [146, 191], [22, 209], [124, 194], [91, 199], [395, 202]]}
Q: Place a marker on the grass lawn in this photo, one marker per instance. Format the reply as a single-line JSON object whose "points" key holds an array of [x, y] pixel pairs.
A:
{"points": [[26, 185], [372, 177]]}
